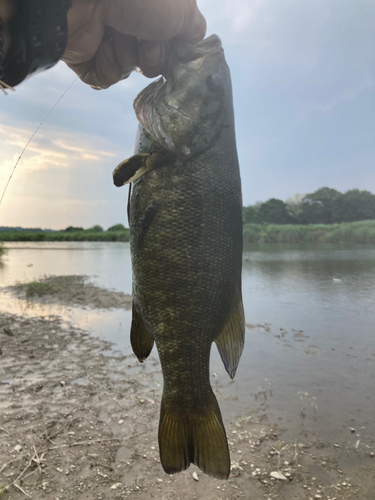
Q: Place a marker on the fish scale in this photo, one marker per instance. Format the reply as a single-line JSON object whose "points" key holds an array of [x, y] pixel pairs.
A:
{"points": [[186, 259]]}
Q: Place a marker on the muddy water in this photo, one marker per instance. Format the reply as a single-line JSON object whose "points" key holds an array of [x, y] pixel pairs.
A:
{"points": [[309, 358]]}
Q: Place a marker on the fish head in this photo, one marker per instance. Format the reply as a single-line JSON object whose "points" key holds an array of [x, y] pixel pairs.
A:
{"points": [[186, 110]]}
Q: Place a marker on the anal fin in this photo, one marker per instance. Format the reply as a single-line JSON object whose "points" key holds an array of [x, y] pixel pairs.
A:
{"points": [[140, 340], [231, 339]]}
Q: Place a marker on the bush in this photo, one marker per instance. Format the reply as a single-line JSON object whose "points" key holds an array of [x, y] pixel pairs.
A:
{"points": [[72, 229], [117, 227]]}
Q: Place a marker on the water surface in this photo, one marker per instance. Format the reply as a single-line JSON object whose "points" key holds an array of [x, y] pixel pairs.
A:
{"points": [[309, 358]]}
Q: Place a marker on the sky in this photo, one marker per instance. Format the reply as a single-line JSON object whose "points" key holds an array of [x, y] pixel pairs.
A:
{"points": [[303, 76]]}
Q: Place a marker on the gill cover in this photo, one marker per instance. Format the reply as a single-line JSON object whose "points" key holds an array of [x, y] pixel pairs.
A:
{"points": [[185, 112]]}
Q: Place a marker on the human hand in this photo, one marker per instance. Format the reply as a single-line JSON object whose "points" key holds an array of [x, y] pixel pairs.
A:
{"points": [[108, 39]]}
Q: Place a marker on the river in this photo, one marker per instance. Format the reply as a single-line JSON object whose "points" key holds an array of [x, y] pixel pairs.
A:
{"points": [[309, 358]]}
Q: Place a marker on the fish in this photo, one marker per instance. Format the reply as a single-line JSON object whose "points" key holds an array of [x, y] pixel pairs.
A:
{"points": [[185, 221]]}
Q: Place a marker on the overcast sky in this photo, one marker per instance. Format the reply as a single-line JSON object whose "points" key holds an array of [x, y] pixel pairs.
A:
{"points": [[304, 96]]}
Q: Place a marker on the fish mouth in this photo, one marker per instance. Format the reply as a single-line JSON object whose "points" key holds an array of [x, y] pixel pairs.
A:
{"points": [[185, 53], [208, 46]]}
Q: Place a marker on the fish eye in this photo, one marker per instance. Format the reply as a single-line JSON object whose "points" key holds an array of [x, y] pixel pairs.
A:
{"points": [[214, 84]]}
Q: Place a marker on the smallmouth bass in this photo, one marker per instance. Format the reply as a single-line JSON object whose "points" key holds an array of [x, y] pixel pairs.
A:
{"points": [[185, 218]]}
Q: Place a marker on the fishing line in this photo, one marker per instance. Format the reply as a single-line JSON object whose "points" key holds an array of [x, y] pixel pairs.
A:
{"points": [[33, 135]]}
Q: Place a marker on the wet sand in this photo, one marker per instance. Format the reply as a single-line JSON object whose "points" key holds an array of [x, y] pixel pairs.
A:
{"points": [[78, 420]]}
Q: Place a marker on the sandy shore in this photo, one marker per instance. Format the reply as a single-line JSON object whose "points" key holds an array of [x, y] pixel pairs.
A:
{"points": [[78, 421]]}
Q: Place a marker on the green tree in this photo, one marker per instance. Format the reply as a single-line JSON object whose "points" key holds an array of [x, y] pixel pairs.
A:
{"points": [[117, 227], [355, 205], [274, 211], [320, 207], [250, 214], [294, 207]]}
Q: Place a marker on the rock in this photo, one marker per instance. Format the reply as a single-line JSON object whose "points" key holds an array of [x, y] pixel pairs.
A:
{"points": [[18, 447], [195, 476], [116, 486], [278, 475]]}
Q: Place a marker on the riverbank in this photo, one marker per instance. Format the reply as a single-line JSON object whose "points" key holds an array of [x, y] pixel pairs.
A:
{"points": [[353, 232], [85, 235], [78, 420]]}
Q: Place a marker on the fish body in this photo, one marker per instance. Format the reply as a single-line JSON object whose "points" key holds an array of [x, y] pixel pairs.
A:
{"points": [[186, 246]]}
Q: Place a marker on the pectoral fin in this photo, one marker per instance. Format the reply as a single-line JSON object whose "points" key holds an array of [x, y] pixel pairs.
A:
{"points": [[140, 340], [231, 339], [134, 167], [131, 169]]}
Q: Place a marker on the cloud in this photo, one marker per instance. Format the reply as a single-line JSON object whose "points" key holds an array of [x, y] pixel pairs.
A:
{"points": [[46, 152], [87, 153]]}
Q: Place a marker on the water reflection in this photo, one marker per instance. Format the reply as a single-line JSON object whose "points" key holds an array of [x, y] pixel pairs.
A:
{"points": [[107, 263], [109, 324]]}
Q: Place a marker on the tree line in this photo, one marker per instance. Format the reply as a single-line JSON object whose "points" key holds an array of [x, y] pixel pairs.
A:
{"points": [[324, 206]]}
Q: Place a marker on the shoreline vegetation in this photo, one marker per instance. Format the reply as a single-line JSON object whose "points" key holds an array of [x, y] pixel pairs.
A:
{"points": [[350, 232], [118, 232]]}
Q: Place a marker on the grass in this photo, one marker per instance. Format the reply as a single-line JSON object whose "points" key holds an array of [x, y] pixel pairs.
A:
{"points": [[351, 232], [50, 285], [39, 288]]}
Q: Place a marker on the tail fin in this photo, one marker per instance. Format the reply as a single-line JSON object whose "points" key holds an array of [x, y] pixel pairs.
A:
{"points": [[197, 437]]}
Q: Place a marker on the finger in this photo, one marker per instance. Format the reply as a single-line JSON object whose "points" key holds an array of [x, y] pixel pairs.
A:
{"points": [[85, 32], [155, 20], [151, 58], [116, 58], [195, 30]]}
